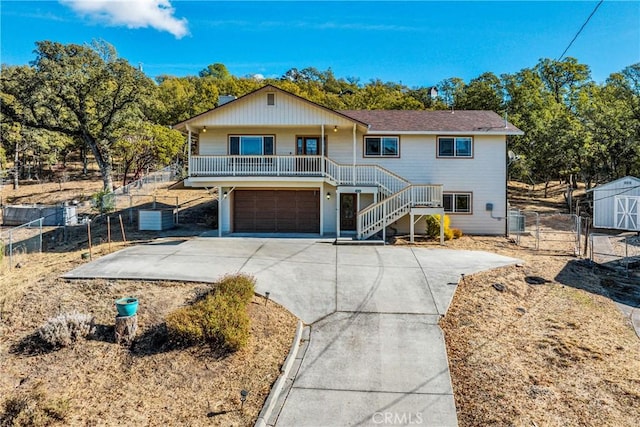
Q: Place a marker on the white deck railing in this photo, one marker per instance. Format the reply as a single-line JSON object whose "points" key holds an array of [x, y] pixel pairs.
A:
{"points": [[396, 195], [375, 217], [255, 166]]}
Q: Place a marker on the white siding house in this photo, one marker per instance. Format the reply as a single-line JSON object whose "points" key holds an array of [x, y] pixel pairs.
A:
{"points": [[284, 164], [616, 205]]}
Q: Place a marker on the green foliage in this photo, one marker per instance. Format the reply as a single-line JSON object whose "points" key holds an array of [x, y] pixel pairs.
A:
{"points": [[33, 409], [147, 147], [433, 227], [104, 201], [219, 319], [83, 92]]}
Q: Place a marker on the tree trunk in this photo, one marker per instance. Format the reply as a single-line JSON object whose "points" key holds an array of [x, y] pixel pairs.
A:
{"points": [[16, 161], [103, 158], [126, 327], [85, 162]]}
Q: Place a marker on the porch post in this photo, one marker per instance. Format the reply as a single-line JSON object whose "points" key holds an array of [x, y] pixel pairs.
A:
{"points": [[321, 209], [189, 152], [322, 149], [337, 212], [220, 211], [412, 227], [354, 154]]}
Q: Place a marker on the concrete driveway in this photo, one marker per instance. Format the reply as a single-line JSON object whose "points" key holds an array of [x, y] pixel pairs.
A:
{"points": [[373, 353]]}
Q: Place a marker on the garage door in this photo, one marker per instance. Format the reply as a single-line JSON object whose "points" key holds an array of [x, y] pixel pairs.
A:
{"points": [[277, 211]]}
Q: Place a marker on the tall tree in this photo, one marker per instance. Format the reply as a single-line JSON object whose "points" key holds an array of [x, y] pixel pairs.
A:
{"points": [[84, 92]]}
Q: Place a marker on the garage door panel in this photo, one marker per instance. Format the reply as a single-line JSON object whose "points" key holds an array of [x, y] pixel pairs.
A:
{"points": [[285, 211]]}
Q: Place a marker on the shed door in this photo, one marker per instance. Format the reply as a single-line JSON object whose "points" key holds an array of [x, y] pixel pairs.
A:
{"points": [[277, 211], [627, 212]]}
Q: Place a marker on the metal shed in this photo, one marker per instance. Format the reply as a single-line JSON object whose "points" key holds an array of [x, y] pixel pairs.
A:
{"points": [[616, 204]]}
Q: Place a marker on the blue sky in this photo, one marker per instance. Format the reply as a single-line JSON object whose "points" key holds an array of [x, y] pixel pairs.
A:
{"points": [[415, 43]]}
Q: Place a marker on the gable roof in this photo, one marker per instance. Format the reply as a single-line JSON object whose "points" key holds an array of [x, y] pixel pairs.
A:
{"points": [[441, 121], [267, 88], [399, 121], [635, 183]]}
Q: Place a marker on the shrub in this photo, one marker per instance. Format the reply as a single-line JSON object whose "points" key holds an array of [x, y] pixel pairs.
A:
{"points": [[220, 318], [241, 285], [33, 409], [104, 201], [433, 227], [65, 329], [457, 233]]}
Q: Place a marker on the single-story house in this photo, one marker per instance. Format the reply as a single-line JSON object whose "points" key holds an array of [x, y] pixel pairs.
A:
{"points": [[616, 204], [284, 164]]}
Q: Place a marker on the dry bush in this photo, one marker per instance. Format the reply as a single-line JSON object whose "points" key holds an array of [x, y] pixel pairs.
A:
{"points": [[33, 408], [457, 233], [66, 329], [219, 319]]}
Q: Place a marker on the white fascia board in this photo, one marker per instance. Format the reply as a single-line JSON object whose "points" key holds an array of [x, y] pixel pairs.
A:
{"points": [[443, 132]]}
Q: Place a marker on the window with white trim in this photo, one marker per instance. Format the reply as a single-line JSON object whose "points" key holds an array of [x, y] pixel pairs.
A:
{"points": [[458, 146], [251, 145], [381, 146], [271, 99], [456, 202]]}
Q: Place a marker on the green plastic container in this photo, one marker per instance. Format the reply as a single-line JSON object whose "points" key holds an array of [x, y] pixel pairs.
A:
{"points": [[127, 306]]}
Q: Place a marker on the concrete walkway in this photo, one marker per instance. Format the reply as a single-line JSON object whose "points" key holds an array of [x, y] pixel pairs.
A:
{"points": [[374, 353]]}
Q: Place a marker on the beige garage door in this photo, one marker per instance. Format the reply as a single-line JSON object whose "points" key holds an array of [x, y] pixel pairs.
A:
{"points": [[277, 211]]}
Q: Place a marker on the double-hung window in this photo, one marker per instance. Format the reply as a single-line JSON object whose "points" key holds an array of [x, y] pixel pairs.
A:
{"points": [[457, 202], [251, 145], [458, 146], [381, 146]]}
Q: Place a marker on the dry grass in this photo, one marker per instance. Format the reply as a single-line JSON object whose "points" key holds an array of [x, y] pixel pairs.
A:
{"points": [[152, 383], [555, 354]]}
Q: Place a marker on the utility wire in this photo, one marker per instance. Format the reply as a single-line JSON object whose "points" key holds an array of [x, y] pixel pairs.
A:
{"points": [[581, 28]]}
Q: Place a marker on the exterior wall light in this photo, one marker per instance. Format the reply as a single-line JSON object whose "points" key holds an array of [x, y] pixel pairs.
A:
{"points": [[224, 195], [328, 195], [204, 129], [335, 128]]}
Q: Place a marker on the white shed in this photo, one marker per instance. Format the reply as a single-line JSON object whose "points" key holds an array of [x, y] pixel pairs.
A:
{"points": [[616, 204]]}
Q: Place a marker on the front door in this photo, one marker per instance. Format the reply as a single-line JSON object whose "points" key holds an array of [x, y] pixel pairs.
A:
{"points": [[348, 211]]}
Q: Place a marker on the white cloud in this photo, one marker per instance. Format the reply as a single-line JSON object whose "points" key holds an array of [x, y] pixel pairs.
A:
{"points": [[158, 14]]}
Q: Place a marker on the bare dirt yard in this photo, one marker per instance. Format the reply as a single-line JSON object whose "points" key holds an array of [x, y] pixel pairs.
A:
{"points": [[97, 382]]}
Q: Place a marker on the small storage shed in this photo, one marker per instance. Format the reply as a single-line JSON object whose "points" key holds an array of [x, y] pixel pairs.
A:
{"points": [[616, 204], [155, 219]]}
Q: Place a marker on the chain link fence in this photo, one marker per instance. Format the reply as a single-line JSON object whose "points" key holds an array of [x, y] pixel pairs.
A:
{"points": [[620, 251], [546, 231], [23, 239]]}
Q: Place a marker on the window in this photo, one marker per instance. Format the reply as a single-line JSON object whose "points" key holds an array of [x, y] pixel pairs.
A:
{"points": [[455, 146], [384, 146], [251, 145], [457, 202], [271, 99]]}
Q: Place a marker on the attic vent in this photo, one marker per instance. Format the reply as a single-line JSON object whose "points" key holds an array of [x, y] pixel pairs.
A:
{"points": [[271, 99], [627, 182]]}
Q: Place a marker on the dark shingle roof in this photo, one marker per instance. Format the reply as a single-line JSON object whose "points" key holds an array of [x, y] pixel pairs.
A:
{"points": [[471, 121]]}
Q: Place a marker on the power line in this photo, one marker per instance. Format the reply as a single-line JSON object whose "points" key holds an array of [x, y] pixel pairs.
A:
{"points": [[581, 28]]}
